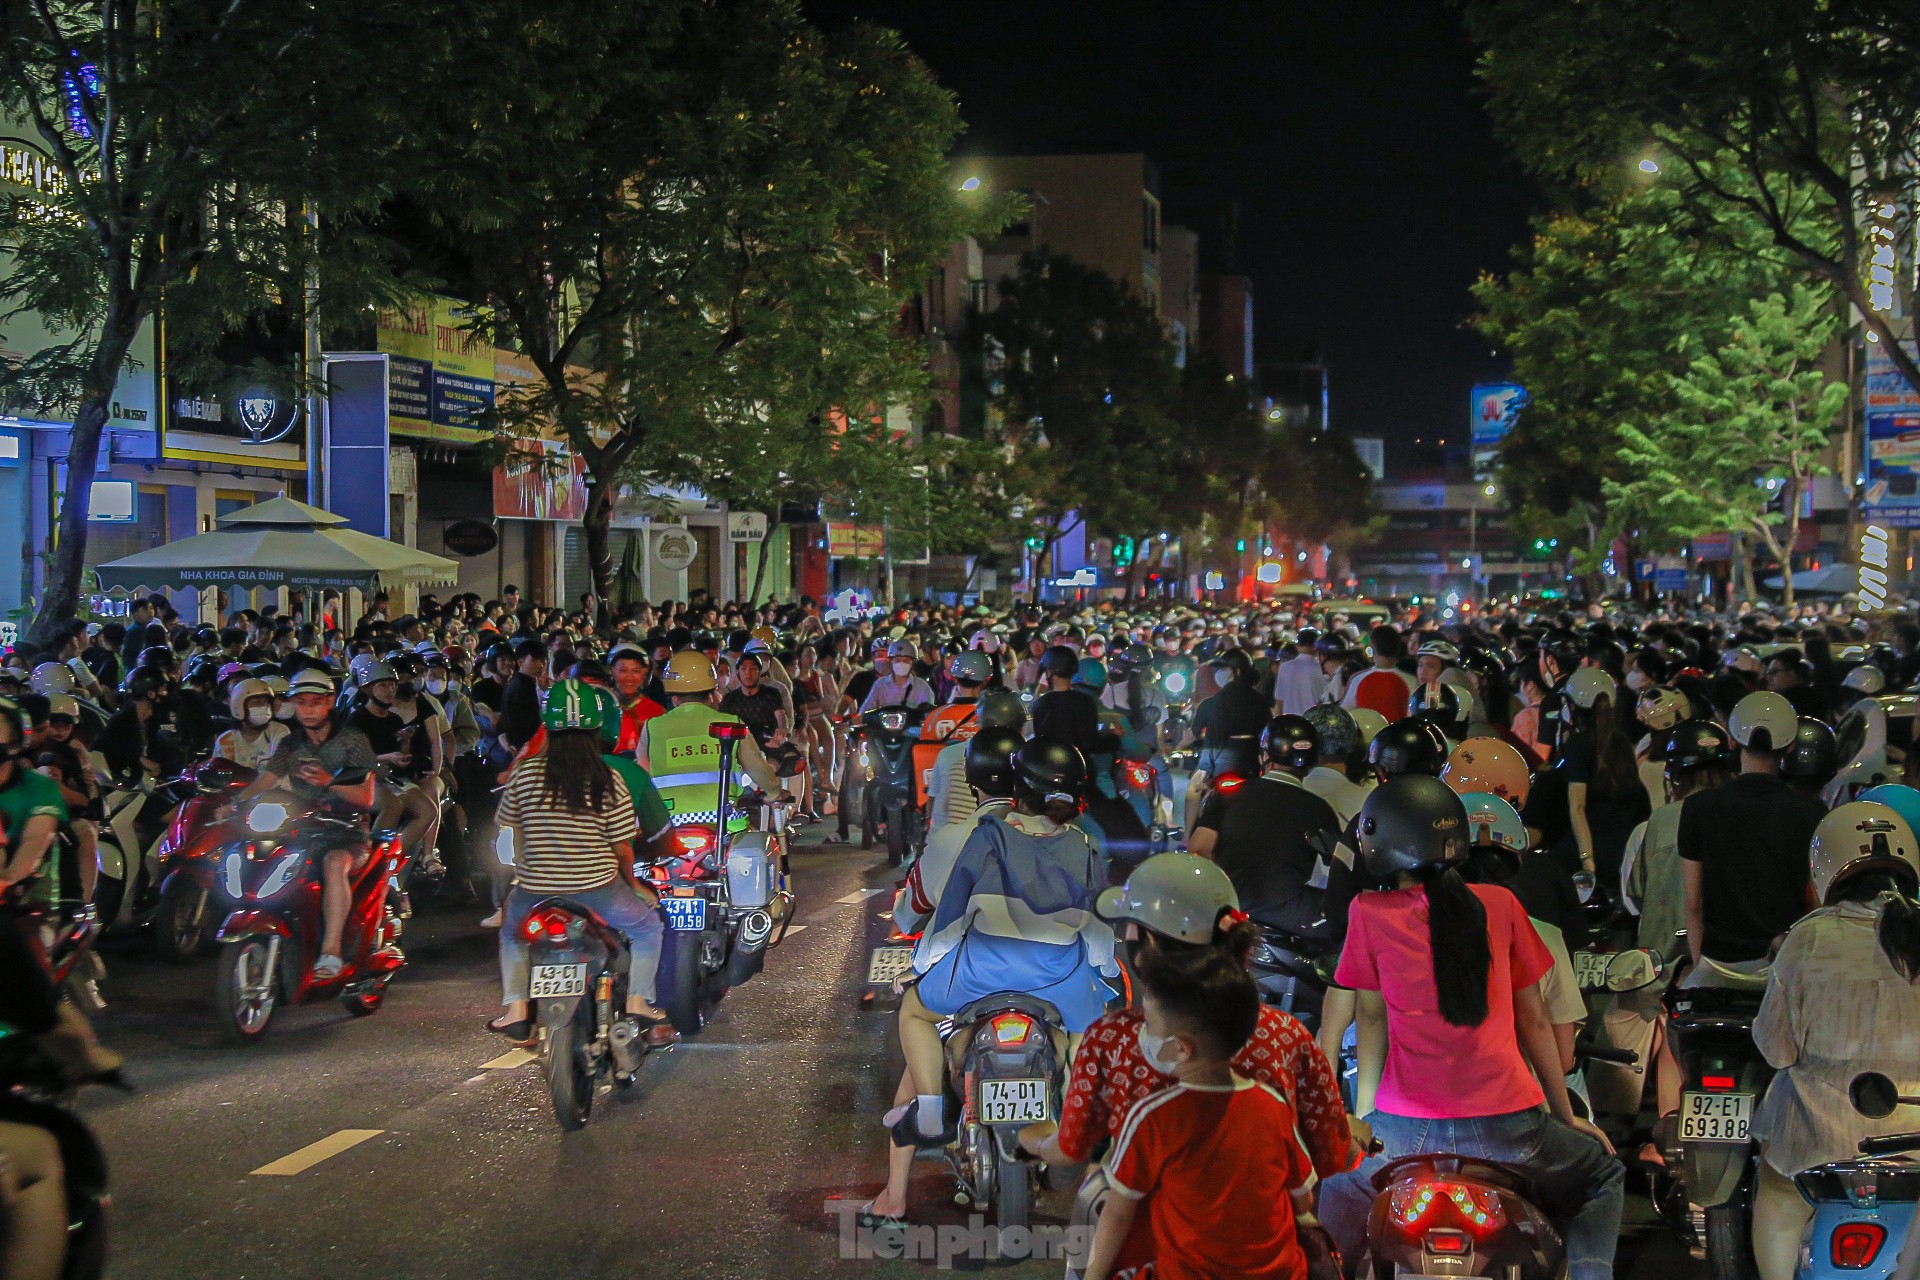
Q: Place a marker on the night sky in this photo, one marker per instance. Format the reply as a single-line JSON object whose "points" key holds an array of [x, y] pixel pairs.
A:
{"points": [[1370, 189]]}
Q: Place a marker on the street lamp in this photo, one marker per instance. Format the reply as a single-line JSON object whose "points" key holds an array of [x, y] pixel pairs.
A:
{"points": [[1649, 166], [971, 184]]}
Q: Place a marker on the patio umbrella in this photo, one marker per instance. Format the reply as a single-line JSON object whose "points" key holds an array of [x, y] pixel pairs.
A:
{"points": [[279, 543], [1834, 580]]}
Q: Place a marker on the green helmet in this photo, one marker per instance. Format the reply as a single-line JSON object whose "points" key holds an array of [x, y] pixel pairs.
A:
{"points": [[610, 715], [573, 704]]}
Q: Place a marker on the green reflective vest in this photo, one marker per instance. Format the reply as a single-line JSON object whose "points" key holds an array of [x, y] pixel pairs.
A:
{"points": [[684, 760]]}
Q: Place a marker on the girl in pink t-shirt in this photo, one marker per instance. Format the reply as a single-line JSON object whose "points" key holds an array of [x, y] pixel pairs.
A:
{"points": [[1445, 975]]}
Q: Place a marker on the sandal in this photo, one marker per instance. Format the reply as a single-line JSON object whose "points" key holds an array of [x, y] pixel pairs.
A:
{"points": [[906, 1132], [868, 1220], [660, 1031], [519, 1032]]}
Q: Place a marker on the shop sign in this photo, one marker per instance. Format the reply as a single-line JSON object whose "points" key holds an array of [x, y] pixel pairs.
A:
{"points": [[540, 480], [113, 502], [1892, 495], [746, 526], [849, 541], [1873, 569], [469, 538], [250, 413], [674, 548], [441, 377]]}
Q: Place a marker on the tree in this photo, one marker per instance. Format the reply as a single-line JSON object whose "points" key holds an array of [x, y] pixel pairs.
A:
{"points": [[1786, 113], [1745, 438], [701, 236], [1083, 378], [1604, 308], [182, 142]]}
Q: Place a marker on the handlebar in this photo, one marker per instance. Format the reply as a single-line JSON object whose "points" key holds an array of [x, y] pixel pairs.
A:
{"points": [[1622, 1057], [1889, 1144]]}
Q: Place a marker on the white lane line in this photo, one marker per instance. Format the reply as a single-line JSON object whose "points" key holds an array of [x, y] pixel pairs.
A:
{"points": [[313, 1153], [509, 1060], [796, 928], [858, 896]]}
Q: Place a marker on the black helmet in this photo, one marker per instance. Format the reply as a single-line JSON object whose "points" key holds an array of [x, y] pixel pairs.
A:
{"points": [[1237, 662], [1126, 659], [1409, 823], [1413, 745], [990, 755], [1060, 662], [1000, 709], [497, 650], [1049, 769], [1443, 705], [205, 667], [144, 683], [407, 665], [1482, 664], [1814, 755], [1291, 742], [1697, 744], [156, 657], [1564, 648]]}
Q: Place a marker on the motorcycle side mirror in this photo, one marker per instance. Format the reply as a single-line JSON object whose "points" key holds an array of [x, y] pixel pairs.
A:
{"points": [[1632, 970], [1873, 1095]]}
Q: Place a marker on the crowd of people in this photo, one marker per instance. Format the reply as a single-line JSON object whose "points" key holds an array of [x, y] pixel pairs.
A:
{"points": [[1434, 799]]}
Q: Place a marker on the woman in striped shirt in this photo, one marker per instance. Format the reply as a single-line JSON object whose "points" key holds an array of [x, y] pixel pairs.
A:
{"points": [[572, 822]]}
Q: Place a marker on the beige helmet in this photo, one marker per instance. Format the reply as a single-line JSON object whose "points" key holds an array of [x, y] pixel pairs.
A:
{"points": [[689, 672], [1588, 685], [1763, 722], [1860, 836], [245, 691], [1174, 894]]}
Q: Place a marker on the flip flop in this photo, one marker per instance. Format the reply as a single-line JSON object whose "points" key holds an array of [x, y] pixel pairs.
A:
{"points": [[871, 1221], [515, 1031]]}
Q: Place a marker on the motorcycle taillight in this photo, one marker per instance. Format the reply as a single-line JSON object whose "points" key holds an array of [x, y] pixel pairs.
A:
{"points": [[1447, 1242], [1140, 777], [547, 924], [693, 840], [1857, 1244], [1425, 1206], [1229, 783], [1011, 1028]]}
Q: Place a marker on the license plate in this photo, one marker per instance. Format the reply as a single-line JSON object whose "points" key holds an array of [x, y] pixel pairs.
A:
{"points": [[686, 914], [1014, 1102], [557, 980], [1715, 1117], [888, 964], [1590, 969]]}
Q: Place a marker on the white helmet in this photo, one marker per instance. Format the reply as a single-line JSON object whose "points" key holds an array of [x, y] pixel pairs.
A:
{"points": [[1174, 894], [1866, 678], [52, 677], [243, 692], [1438, 649], [309, 680], [1587, 685], [1861, 836], [1663, 708], [1763, 722], [63, 704]]}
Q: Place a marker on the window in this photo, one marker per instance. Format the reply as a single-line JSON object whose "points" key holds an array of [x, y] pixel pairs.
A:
{"points": [[1150, 224], [977, 294]]}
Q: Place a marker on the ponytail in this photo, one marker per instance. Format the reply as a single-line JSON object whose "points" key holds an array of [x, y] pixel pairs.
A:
{"points": [[1234, 936], [1462, 952], [1899, 934]]}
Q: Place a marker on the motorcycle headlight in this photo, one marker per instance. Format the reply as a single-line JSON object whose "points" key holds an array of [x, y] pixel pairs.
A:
{"points": [[267, 818], [281, 876], [233, 874], [894, 720], [1176, 682]]}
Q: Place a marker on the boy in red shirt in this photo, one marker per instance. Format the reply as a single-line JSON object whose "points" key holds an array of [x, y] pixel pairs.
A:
{"points": [[1211, 1159]]}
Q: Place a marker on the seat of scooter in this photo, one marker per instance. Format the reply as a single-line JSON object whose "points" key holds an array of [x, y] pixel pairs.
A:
{"points": [[1004, 1001], [1442, 1165], [593, 917]]}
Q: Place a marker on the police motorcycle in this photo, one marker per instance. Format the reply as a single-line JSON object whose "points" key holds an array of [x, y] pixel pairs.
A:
{"points": [[725, 893]]}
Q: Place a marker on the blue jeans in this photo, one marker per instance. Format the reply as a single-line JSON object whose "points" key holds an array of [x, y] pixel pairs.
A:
{"points": [[1583, 1186], [637, 920]]}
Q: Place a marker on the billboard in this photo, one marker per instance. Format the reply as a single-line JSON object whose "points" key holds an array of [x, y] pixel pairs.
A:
{"points": [[540, 480], [1492, 409], [441, 377], [849, 541], [1892, 496]]}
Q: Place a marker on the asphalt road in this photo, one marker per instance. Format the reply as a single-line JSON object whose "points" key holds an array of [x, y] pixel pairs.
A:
{"points": [[420, 1146]]}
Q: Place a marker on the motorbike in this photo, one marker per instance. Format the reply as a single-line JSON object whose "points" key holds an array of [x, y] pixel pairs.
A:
{"points": [[1709, 1200], [578, 990], [1862, 1208], [1006, 1053], [269, 888], [725, 897], [1293, 971], [33, 1093], [138, 814], [889, 801], [65, 939], [1449, 1215], [185, 857]]}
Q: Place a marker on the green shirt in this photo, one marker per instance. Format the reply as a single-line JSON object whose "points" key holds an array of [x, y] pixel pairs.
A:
{"points": [[648, 807], [30, 796]]}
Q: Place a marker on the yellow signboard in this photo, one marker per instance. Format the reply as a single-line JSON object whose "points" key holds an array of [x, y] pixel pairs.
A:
{"points": [[440, 376]]}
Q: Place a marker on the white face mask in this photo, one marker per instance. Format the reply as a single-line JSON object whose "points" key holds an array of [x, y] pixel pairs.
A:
{"points": [[1154, 1047], [436, 687], [1637, 680], [903, 669], [260, 717]]}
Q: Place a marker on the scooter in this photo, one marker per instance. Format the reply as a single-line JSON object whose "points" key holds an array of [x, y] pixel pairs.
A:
{"points": [[578, 989], [185, 856], [1862, 1209], [1709, 1201], [269, 887], [1449, 1215], [33, 1093], [1293, 972], [1006, 1054], [137, 815], [888, 799], [725, 894]]}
